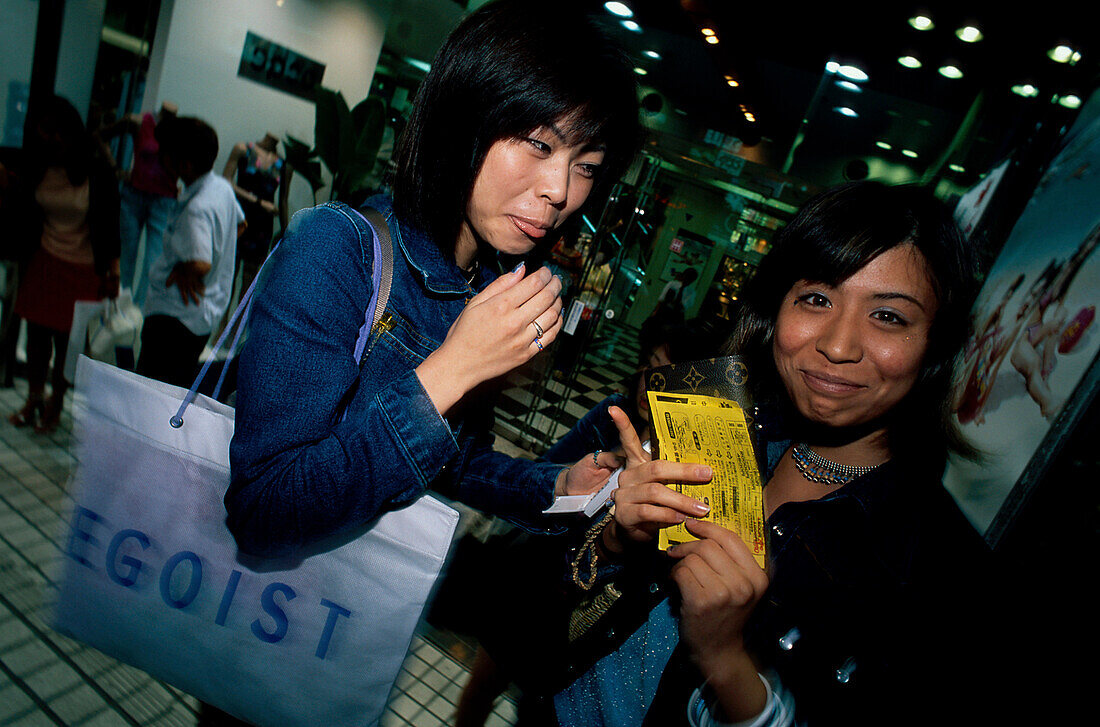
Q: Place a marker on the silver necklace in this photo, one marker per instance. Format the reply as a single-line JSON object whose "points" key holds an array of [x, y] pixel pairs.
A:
{"points": [[816, 468]]}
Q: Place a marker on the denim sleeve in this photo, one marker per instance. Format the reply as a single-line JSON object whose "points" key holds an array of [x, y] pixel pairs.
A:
{"points": [[301, 469]]}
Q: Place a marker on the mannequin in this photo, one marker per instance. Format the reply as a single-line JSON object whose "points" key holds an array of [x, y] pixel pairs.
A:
{"points": [[257, 173], [148, 196]]}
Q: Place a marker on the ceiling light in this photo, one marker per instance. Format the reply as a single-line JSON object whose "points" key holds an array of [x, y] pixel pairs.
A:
{"points": [[641, 71], [969, 34], [1070, 101], [852, 73], [910, 61], [883, 145], [418, 64], [1060, 54], [1026, 90], [845, 111], [620, 9], [832, 67], [632, 26], [849, 86], [707, 31], [956, 168], [909, 153], [921, 22], [652, 54], [712, 39], [732, 83], [950, 71]]}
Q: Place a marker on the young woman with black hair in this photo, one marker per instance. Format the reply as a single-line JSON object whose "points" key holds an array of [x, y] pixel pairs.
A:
{"points": [[866, 613], [522, 119]]}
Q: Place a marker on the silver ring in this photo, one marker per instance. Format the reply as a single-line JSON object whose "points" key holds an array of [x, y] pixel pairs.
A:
{"points": [[538, 343], [538, 329], [596, 457]]}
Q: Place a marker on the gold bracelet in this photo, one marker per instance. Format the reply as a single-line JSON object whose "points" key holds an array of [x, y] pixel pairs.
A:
{"points": [[589, 550]]}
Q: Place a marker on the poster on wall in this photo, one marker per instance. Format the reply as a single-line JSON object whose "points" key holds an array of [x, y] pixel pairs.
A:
{"points": [[1030, 367], [973, 204], [269, 63]]}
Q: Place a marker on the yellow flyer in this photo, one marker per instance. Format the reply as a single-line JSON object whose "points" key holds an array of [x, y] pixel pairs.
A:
{"points": [[708, 430]]}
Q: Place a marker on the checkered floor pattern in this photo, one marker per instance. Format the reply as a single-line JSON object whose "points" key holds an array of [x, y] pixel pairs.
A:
{"points": [[48, 679], [538, 406]]}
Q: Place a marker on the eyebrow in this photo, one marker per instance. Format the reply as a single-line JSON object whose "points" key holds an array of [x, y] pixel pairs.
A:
{"points": [[898, 296], [591, 146]]}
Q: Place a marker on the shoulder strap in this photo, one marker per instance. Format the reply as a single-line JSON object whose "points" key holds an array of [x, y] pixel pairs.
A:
{"points": [[381, 277]]}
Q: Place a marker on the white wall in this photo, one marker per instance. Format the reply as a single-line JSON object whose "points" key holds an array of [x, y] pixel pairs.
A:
{"points": [[198, 48]]}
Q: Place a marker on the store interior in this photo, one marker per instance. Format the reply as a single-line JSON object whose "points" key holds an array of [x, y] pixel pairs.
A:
{"points": [[749, 109]]}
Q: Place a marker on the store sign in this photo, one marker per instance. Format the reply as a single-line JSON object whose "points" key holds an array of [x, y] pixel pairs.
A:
{"points": [[271, 64]]}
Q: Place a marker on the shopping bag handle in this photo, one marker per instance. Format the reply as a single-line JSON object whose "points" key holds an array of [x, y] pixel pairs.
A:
{"points": [[381, 279]]}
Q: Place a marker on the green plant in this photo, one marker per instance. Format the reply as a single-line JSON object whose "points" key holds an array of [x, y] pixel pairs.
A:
{"points": [[346, 141]]}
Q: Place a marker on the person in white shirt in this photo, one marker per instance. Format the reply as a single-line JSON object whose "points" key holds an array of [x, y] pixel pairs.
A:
{"points": [[192, 280]]}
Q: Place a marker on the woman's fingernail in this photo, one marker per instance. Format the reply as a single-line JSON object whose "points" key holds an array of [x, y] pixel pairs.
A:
{"points": [[701, 508], [704, 471], [517, 268]]}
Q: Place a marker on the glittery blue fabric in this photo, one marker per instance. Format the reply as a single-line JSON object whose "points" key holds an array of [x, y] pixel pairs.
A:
{"points": [[615, 692]]}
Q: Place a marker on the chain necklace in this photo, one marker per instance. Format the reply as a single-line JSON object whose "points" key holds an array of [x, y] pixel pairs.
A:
{"points": [[816, 468]]}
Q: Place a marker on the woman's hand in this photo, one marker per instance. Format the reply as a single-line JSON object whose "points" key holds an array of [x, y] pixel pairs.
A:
{"points": [[495, 333], [643, 502], [720, 584], [588, 475]]}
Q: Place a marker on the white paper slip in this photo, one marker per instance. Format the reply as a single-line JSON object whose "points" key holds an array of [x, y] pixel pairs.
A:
{"points": [[588, 504]]}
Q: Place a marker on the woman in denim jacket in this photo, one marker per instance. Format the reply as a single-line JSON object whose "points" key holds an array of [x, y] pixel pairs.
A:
{"points": [[523, 117], [871, 608]]}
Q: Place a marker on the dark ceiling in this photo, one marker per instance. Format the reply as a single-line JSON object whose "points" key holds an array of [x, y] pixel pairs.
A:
{"points": [[777, 52]]}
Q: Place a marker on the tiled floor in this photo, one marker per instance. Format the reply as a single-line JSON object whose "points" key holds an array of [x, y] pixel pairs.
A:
{"points": [[48, 679]]}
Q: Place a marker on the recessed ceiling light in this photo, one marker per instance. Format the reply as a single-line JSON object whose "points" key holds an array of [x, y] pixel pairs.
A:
{"points": [[969, 34], [652, 54], [732, 83], [910, 61], [712, 39], [849, 86], [707, 31], [883, 145], [1070, 101], [921, 22], [641, 71], [909, 153], [956, 168], [620, 9], [853, 73], [750, 117], [421, 65], [632, 26], [1026, 90], [950, 71], [1060, 54], [832, 66], [845, 111]]}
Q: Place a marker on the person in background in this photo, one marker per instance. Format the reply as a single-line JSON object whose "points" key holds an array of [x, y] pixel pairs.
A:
{"points": [[192, 280], [70, 229]]}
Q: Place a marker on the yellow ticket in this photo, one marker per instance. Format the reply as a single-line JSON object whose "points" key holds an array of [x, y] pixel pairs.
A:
{"points": [[708, 430]]}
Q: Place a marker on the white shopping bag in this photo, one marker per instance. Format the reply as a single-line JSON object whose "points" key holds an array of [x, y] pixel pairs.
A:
{"points": [[151, 575], [100, 326]]}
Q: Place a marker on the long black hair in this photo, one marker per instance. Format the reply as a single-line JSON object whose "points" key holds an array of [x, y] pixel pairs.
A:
{"points": [[56, 137], [831, 238], [505, 71]]}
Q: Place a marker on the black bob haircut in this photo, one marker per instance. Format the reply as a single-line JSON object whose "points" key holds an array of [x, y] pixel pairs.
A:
{"points": [[505, 71], [188, 138], [831, 238]]}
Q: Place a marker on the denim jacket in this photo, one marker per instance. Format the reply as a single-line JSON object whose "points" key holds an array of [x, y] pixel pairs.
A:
{"points": [[325, 443]]}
